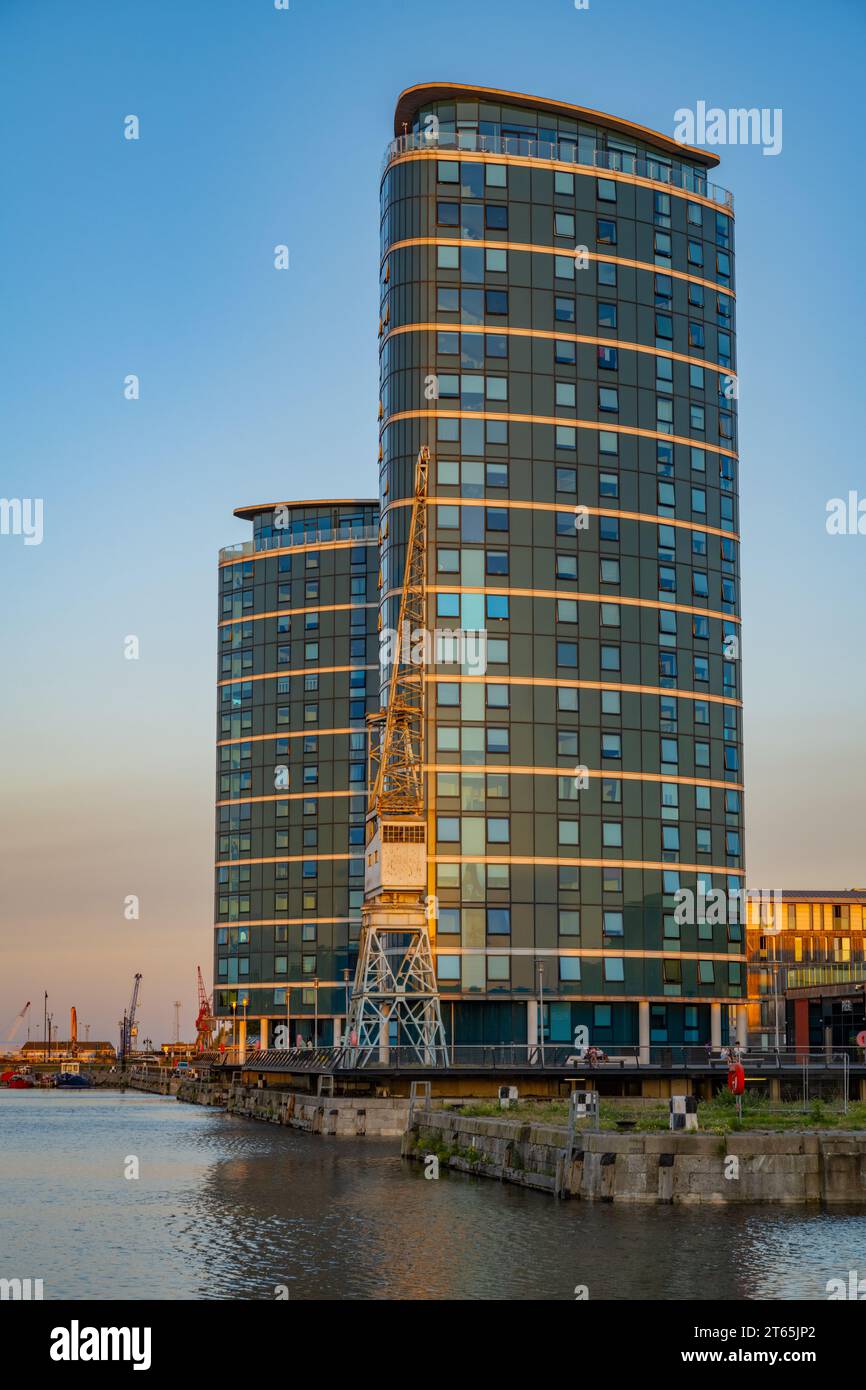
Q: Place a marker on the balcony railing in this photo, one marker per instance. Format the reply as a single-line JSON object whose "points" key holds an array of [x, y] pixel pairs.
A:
{"points": [[564, 152], [287, 540], [570, 1060], [842, 973]]}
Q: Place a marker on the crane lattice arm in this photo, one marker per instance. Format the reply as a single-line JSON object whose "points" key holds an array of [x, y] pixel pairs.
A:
{"points": [[16, 1024], [128, 1025], [396, 761], [133, 1005], [396, 994], [205, 1020]]}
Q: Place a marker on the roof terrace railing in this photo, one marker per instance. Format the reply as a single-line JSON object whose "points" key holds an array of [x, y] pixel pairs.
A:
{"points": [[288, 540], [690, 180]]}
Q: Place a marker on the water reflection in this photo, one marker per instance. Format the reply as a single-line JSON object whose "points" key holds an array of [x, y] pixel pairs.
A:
{"points": [[226, 1208]]}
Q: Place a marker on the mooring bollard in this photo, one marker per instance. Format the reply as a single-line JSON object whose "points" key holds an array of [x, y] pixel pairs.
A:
{"points": [[582, 1105]]}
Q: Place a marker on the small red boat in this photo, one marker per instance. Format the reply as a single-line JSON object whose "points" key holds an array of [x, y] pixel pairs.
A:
{"points": [[17, 1082]]}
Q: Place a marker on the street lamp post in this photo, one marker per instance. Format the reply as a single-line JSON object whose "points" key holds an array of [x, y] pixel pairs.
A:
{"points": [[316, 1012], [775, 965], [540, 968], [234, 1006], [346, 974], [776, 1000]]}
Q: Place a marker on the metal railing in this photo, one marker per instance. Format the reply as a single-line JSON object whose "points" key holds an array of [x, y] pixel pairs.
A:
{"points": [[288, 540], [563, 152], [507, 1057], [831, 973]]}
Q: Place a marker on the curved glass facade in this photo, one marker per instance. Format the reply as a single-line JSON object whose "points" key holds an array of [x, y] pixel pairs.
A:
{"points": [[560, 332], [297, 676]]}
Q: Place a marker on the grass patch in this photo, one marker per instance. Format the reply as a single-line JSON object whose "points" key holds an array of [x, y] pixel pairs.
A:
{"points": [[718, 1116]]}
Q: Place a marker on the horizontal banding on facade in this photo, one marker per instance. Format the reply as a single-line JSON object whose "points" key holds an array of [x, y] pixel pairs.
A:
{"points": [[545, 423], [531, 248], [532, 162], [287, 889], [569, 421]]}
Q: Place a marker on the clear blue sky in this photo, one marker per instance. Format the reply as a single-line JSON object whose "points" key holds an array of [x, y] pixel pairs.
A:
{"points": [[154, 257]]}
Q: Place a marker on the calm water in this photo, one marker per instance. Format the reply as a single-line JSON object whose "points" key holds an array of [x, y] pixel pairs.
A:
{"points": [[229, 1208]]}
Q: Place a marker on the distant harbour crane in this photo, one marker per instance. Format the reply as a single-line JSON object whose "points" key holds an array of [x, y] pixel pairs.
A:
{"points": [[205, 1021], [128, 1027], [17, 1022]]}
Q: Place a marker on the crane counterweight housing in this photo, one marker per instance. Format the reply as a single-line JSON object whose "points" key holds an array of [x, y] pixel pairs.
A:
{"points": [[396, 858]]}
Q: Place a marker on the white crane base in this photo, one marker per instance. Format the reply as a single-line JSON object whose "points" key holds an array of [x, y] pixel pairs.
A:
{"points": [[395, 984]]}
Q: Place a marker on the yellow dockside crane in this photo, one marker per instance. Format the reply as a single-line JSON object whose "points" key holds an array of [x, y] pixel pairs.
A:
{"points": [[395, 997]]}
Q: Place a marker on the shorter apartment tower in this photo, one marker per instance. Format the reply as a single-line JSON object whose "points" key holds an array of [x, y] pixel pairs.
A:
{"points": [[807, 967], [298, 672]]}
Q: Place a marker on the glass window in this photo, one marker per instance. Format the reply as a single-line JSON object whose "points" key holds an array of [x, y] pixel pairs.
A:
{"points": [[447, 299], [605, 231], [569, 922], [448, 967], [498, 921]]}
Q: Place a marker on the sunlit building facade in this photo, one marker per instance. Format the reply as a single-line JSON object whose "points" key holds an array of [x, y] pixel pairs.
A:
{"points": [[557, 317], [807, 967], [297, 676]]}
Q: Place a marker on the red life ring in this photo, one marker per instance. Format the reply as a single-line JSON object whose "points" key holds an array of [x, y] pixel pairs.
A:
{"points": [[736, 1079]]}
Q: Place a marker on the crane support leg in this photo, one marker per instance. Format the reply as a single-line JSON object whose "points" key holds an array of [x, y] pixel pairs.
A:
{"points": [[396, 999]]}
